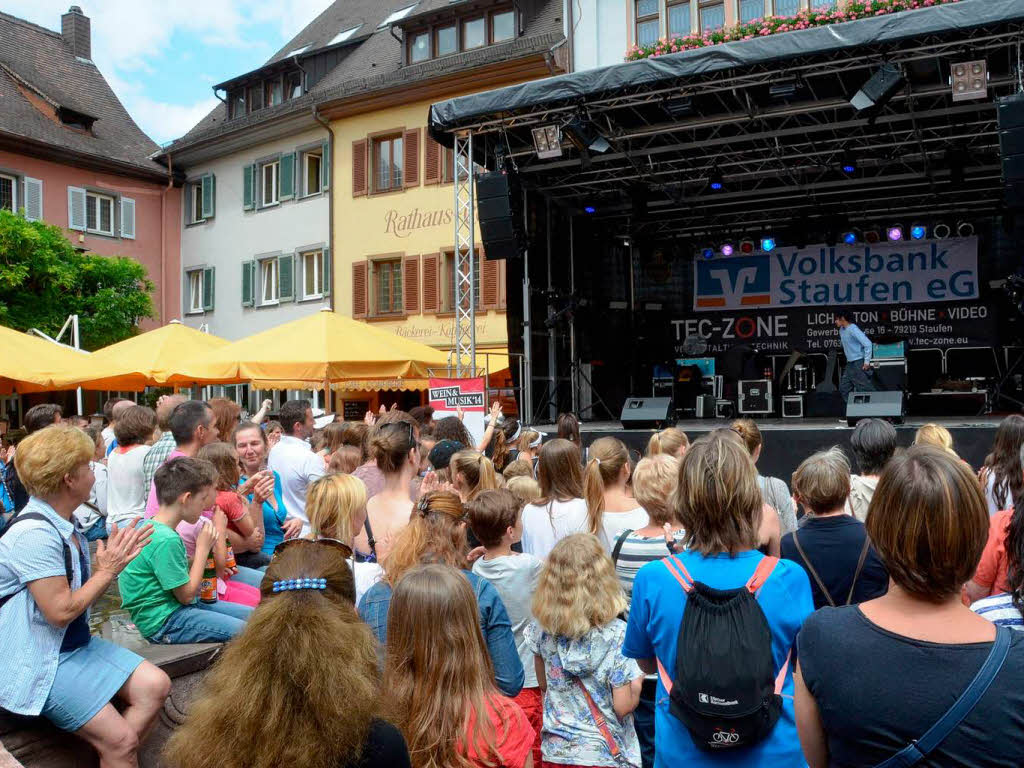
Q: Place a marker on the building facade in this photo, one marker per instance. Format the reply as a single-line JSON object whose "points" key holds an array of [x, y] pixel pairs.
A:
{"points": [[70, 155]]}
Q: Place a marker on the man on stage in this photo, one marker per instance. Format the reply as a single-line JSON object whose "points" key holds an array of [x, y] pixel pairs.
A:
{"points": [[857, 348]]}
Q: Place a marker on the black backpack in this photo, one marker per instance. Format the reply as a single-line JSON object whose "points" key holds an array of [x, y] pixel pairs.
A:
{"points": [[725, 689], [67, 550]]}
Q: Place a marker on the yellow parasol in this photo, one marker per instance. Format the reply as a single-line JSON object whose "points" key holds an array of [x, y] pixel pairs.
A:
{"points": [[30, 364]]}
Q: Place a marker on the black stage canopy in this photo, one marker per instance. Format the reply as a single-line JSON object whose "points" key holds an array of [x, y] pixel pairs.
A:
{"points": [[771, 116]]}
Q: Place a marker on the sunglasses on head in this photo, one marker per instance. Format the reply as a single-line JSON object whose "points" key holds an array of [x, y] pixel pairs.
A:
{"points": [[412, 434], [341, 546]]}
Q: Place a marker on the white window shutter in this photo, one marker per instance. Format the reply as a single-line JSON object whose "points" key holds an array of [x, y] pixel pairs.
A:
{"points": [[127, 218], [33, 199], [76, 208]]}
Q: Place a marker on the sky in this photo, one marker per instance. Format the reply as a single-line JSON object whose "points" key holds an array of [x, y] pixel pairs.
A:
{"points": [[161, 57]]}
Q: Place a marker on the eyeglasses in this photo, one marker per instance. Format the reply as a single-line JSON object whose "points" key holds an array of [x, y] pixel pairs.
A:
{"points": [[341, 546]]}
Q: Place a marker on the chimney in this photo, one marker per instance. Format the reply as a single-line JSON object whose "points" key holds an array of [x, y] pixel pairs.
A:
{"points": [[75, 29]]}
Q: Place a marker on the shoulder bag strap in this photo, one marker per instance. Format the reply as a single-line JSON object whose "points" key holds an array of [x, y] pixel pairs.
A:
{"points": [[860, 567], [369, 537], [814, 573], [68, 569], [919, 749], [618, 544], [599, 720]]}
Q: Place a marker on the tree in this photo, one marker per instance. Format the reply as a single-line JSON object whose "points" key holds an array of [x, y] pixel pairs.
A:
{"points": [[43, 279]]}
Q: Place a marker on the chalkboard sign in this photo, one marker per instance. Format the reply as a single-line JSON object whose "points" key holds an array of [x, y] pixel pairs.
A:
{"points": [[355, 410]]}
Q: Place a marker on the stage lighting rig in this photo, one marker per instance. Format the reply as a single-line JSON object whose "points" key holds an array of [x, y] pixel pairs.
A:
{"points": [[969, 80], [918, 231], [746, 246], [877, 91], [589, 209], [872, 235], [964, 229], [941, 231], [707, 252], [582, 132], [547, 141], [715, 180], [894, 233], [847, 162], [767, 244], [727, 249], [850, 237]]}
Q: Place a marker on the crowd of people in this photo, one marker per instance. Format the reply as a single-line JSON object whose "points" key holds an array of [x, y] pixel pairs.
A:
{"points": [[397, 592]]}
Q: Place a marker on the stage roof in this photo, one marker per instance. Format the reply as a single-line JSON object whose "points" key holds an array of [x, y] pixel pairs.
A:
{"points": [[772, 116]]}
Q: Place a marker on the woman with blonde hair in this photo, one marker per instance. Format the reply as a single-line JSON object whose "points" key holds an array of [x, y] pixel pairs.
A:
{"points": [[439, 677], [671, 441], [437, 534], [472, 473], [935, 435], [719, 504], [577, 637], [336, 505], [300, 687], [610, 508], [529, 445], [561, 509]]}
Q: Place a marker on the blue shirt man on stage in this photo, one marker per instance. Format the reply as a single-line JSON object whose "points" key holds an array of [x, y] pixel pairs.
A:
{"points": [[857, 348]]}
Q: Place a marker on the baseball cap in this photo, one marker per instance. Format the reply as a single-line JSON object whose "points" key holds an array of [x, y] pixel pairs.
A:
{"points": [[441, 454]]}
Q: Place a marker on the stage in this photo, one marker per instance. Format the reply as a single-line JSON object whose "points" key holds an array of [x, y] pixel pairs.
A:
{"points": [[787, 442]]}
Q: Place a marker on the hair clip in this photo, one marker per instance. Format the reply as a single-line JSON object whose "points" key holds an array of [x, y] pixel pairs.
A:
{"points": [[423, 506], [293, 584]]}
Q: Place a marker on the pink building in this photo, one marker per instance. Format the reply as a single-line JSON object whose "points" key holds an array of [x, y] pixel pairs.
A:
{"points": [[72, 156]]}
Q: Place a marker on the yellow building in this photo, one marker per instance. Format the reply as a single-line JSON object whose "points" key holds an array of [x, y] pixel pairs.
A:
{"points": [[393, 192]]}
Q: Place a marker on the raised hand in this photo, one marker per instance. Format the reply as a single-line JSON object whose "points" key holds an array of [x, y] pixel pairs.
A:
{"points": [[292, 527], [122, 546]]}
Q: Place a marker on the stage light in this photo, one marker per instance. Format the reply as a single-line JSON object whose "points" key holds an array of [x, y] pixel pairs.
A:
{"points": [[847, 162], [767, 244], [969, 80], [584, 134], [877, 91], [678, 107], [784, 88], [708, 253], [894, 233], [746, 246], [590, 209], [727, 249], [872, 236], [964, 229], [918, 231], [547, 141], [715, 180], [941, 231], [849, 237]]}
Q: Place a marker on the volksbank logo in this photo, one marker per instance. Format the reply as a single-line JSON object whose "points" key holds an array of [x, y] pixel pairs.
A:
{"points": [[734, 283]]}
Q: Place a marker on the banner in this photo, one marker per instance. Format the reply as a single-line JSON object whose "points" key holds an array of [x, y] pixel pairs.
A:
{"points": [[906, 272], [446, 396]]}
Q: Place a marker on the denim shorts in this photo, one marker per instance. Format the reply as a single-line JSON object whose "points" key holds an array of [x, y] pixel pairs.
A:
{"points": [[87, 679]]}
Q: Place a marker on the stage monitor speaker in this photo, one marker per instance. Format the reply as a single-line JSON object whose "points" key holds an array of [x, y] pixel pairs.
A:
{"points": [[1010, 116], [498, 211], [822, 405], [706, 406], [874, 405], [646, 413]]}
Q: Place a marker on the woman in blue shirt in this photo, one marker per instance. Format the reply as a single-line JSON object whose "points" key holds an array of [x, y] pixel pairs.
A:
{"points": [[437, 534], [251, 445], [719, 506], [54, 667]]}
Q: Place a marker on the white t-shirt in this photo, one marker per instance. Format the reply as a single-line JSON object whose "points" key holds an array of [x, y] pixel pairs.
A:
{"points": [[515, 578], [545, 525], [366, 575], [298, 466], [127, 490], [614, 523]]}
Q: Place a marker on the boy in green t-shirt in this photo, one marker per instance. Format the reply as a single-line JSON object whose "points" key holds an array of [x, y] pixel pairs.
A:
{"points": [[159, 587]]}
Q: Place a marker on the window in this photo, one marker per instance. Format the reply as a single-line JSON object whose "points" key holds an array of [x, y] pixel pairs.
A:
{"points": [[297, 51], [679, 19], [293, 85], [503, 26], [270, 274], [401, 13], [312, 170], [823, 5], [344, 35], [751, 9], [447, 40], [195, 291], [419, 47], [274, 92], [237, 103], [646, 21], [8, 193], [312, 274], [786, 7], [196, 203], [271, 180], [99, 214], [712, 14], [255, 98], [447, 165], [474, 34], [387, 164], [388, 287]]}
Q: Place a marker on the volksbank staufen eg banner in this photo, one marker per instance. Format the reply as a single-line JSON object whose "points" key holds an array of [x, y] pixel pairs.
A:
{"points": [[907, 272]]}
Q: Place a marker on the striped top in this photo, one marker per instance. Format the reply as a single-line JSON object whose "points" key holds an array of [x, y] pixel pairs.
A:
{"points": [[999, 609], [636, 552]]}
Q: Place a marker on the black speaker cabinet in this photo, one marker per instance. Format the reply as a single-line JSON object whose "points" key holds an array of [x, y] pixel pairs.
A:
{"points": [[874, 405], [498, 206], [1010, 116], [822, 405], [646, 413]]}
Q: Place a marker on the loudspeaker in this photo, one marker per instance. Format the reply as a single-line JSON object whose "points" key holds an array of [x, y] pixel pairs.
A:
{"points": [[879, 89], [498, 203], [822, 405], [646, 412], [706, 406], [874, 405], [1010, 115]]}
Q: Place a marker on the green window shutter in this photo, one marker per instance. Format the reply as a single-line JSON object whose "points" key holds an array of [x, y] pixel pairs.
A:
{"points": [[287, 191], [208, 195], [247, 188], [327, 272], [286, 277], [248, 290], [208, 289], [325, 168]]}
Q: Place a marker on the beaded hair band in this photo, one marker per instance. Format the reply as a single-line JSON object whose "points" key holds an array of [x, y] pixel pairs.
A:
{"points": [[292, 584]]}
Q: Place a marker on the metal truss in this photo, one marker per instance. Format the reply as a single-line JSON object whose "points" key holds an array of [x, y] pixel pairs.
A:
{"points": [[463, 354]]}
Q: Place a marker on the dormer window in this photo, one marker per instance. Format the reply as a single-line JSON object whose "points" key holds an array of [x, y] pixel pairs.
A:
{"points": [[398, 15], [447, 40], [419, 47], [73, 119], [236, 101], [464, 34], [297, 51], [274, 92], [344, 35], [293, 83], [503, 26]]}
